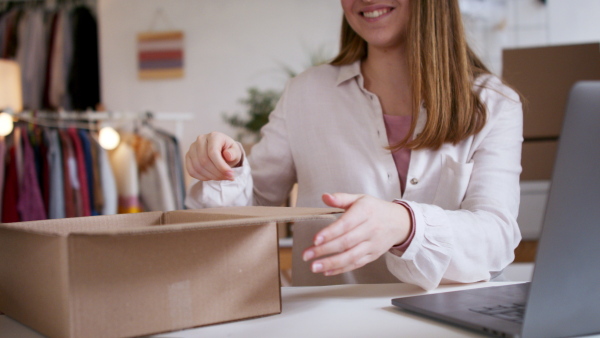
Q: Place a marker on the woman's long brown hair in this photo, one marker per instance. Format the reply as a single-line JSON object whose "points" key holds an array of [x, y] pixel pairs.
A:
{"points": [[443, 69]]}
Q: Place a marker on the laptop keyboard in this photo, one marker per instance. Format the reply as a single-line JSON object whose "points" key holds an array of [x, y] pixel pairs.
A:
{"points": [[511, 312]]}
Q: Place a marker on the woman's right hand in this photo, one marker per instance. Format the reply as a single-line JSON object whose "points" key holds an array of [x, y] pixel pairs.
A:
{"points": [[212, 156]]}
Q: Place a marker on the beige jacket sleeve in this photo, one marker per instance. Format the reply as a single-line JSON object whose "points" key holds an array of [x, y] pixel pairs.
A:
{"points": [[270, 165], [473, 238]]}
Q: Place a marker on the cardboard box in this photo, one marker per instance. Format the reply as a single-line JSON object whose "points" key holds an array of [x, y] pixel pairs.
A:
{"points": [[137, 274], [544, 76], [538, 159]]}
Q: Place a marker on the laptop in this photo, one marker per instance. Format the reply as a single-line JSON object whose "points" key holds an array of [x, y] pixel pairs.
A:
{"points": [[563, 297]]}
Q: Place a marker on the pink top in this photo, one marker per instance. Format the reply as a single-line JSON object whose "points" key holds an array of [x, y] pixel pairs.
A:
{"points": [[396, 128]]}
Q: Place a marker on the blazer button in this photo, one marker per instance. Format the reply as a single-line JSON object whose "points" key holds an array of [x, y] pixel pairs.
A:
{"points": [[414, 181]]}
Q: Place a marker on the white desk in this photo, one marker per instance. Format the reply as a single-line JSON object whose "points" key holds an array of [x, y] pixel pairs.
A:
{"points": [[324, 311]]}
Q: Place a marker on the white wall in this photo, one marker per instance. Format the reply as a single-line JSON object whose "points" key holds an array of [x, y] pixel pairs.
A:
{"points": [[574, 21], [530, 23], [230, 45]]}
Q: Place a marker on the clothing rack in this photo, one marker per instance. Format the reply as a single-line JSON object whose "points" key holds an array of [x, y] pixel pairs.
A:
{"points": [[51, 3], [54, 2], [85, 119], [67, 173], [4, 1]]}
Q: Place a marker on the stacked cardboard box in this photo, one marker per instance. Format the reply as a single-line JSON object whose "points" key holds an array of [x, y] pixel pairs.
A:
{"points": [[544, 77]]}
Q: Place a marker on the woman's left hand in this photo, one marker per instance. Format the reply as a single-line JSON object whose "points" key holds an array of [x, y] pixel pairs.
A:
{"points": [[367, 229]]}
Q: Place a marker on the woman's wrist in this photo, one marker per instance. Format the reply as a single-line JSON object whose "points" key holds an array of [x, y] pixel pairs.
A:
{"points": [[403, 245]]}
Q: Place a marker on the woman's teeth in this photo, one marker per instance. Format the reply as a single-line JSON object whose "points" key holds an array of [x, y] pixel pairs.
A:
{"points": [[376, 14]]}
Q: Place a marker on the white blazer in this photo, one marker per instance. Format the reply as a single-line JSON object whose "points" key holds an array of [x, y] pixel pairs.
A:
{"points": [[327, 133]]}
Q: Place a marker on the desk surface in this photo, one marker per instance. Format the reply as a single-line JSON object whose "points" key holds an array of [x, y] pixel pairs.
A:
{"points": [[359, 310], [324, 311]]}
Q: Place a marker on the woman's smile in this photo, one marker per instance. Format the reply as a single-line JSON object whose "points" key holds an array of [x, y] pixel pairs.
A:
{"points": [[382, 24], [376, 13]]}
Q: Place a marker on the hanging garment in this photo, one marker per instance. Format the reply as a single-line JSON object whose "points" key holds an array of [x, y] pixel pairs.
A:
{"points": [[175, 167], [172, 169], [70, 179], [59, 62], [36, 140], [53, 46], [30, 203], [31, 55], [62, 86], [179, 173], [84, 84], [9, 45], [56, 206], [109, 185], [81, 173], [2, 166], [45, 174], [3, 28], [156, 193], [13, 180], [18, 154], [11, 189], [96, 180], [88, 170], [123, 162]]}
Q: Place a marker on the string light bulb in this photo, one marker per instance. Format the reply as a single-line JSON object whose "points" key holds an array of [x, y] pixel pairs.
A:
{"points": [[108, 138], [6, 124]]}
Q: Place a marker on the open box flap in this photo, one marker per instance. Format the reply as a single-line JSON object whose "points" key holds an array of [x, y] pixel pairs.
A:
{"points": [[185, 220], [87, 224]]}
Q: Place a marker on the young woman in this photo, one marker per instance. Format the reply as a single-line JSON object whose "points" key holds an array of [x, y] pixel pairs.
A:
{"points": [[408, 132]]}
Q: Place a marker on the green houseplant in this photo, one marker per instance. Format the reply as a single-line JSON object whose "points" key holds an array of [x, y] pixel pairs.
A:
{"points": [[259, 103]]}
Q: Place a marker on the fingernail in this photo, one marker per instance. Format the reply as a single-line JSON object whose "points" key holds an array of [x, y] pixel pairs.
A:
{"points": [[317, 267], [308, 255], [328, 273], [319, 240]]}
